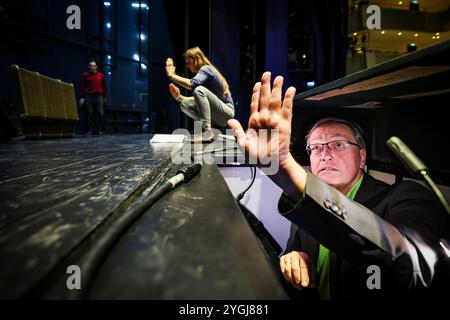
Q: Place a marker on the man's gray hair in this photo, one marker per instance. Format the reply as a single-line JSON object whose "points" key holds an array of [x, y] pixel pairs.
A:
{"points": [[356, 129]]}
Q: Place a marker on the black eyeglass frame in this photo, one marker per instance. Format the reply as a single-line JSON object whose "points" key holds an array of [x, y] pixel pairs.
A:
{"points": [[308, 147]]}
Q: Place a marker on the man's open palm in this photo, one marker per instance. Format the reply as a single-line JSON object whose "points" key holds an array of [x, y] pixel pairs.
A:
{"points": [[269, 127]]}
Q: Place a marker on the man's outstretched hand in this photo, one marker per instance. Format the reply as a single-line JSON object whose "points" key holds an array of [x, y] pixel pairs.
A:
{"points": [[269, 127]]}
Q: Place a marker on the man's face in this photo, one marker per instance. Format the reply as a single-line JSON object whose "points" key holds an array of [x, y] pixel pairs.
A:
{"points": [[338, 168], [92, 67]]}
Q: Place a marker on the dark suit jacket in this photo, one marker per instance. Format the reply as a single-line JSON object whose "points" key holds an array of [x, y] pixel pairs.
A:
{"points": [[397, 228]]}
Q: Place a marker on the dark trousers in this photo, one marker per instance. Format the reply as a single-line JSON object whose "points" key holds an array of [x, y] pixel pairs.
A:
{"points": [[94, 105]]}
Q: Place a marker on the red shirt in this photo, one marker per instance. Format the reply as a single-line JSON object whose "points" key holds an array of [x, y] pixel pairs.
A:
{"points": [[92, 83]]}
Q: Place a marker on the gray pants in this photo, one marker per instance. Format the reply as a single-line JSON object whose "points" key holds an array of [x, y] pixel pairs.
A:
{"points": [[207, 108]]}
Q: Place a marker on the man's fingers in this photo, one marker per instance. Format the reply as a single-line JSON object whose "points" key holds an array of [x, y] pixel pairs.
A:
{"points": [[304, 272], [288, 103], [287, 270], [264, 97], [282, 265], [255, 98], [275, 99], [295, 270], [237, 130], [298, 270]]}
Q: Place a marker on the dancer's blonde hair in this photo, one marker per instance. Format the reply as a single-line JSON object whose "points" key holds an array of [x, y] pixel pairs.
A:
{"points": [[201, 60]]}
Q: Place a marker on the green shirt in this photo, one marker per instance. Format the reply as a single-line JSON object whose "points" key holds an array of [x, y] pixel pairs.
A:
{"points": [[323, 261]]}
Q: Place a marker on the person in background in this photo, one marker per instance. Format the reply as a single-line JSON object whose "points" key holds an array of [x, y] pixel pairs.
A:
{"points": [[93, 94]]}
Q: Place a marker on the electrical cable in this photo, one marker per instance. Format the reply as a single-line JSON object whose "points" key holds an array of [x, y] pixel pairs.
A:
{"points": [[253, 176], [93, 259]]}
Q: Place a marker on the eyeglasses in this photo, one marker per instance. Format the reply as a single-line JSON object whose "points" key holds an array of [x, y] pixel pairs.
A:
{"points": [[336, 146]]}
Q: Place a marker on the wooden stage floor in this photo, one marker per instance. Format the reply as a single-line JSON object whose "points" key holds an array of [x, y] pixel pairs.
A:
{"points": [[59, 196]]}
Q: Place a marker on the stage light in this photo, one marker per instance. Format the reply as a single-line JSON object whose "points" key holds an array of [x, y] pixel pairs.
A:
{"points": [[310, 84], [107, 4], [136, 57], [416, 35], [142, 5], [412, 47], [143, 66], [108, 25], [414, 5]]}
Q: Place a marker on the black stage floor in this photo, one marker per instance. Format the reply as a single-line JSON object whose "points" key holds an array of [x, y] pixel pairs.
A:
{"points": [[58, 197]]}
